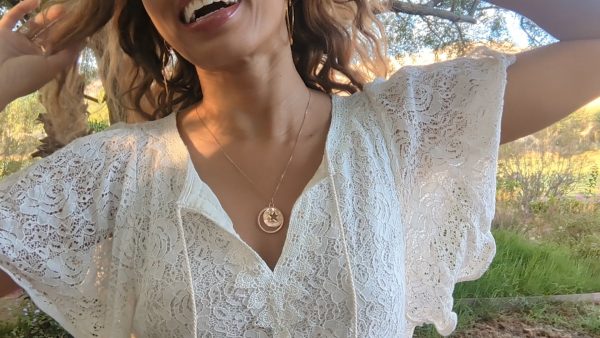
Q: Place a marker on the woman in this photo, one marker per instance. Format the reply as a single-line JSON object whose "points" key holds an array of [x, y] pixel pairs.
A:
{"points": [[265, 205]]}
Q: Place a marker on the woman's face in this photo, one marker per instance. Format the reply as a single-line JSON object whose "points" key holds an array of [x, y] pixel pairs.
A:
{"points": [[223, 38]]}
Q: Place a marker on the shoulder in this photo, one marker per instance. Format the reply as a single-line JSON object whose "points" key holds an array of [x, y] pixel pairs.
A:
{"points": [[119, 139], [118, 149], [481, 66]]}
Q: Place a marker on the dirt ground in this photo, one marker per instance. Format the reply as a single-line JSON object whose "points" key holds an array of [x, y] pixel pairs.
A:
{"points": [[8, 307], [507, 326], [510, 327]]}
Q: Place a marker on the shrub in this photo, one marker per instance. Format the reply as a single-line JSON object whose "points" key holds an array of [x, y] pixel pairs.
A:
{"points": [[8, 166], [97, 126], [532, 179], [32, 322]]}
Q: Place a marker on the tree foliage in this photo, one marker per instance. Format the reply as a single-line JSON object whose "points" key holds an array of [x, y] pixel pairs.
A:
{"points": [[453, 25]]}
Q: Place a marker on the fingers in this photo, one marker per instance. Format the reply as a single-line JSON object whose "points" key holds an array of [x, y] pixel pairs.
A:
{"points": [[49, 15], [40, 70], [10, 19], [42, 22], [61, 60], [39, 29]]}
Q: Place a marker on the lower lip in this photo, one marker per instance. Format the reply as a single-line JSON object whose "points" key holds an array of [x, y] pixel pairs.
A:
{"points": [[215, 20]]}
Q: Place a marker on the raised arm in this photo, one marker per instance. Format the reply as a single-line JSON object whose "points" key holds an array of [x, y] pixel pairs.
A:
{"points": [[548, 83], [24, 67]]}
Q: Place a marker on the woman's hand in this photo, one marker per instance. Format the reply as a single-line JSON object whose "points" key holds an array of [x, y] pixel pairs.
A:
{"points": [[26, 66]]}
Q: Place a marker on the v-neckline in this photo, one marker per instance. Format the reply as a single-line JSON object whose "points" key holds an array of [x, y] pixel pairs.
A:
{"points": [[197, 195]]}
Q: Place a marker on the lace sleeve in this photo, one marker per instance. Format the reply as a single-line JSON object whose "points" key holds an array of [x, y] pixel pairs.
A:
{"points": [[56, 231], [442, 124]]}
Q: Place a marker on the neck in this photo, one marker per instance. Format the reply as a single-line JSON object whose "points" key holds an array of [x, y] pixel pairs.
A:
{"points": [[262, 98]]}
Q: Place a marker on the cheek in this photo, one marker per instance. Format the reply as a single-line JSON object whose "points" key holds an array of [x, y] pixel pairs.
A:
{"points": [[157, 11]]}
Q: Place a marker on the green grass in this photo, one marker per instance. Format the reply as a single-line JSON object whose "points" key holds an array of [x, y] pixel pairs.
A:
{"points": [[524, 268]]}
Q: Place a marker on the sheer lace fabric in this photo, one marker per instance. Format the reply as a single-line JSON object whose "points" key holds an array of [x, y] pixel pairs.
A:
{"points": [[116, 234]]}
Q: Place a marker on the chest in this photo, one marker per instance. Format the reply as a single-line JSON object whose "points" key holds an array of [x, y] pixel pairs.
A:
{"points": [[341, 263], [244, 191], [329, 272]]}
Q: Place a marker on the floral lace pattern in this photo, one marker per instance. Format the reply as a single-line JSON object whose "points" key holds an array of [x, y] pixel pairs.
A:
{"points": [[442, 125], [115, 234]]}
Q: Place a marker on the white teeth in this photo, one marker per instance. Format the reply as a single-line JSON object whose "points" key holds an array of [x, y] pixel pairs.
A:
{"points": [[195, 5]]}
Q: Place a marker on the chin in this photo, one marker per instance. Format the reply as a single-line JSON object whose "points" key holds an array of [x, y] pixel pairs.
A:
{"points": [[229, 54], [225, 55]]}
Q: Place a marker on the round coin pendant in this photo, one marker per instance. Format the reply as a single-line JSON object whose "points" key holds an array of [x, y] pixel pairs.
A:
{"points": [[270, 220]]}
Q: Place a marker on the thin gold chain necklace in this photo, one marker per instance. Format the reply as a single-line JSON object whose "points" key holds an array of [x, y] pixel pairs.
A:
{"points": [[270, 219]]}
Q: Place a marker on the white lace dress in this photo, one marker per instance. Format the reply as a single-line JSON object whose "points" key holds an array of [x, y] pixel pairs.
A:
{"points": [[116, 236]]}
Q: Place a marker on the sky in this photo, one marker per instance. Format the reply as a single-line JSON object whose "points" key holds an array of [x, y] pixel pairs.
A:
{"points": [[517, 34]]}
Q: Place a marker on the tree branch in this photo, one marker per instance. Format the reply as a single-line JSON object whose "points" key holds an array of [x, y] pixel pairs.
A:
{"points": [[474, 7], [428, 10]]}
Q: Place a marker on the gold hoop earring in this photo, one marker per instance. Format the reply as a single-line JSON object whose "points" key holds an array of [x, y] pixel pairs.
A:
{"points": [[289, 21], [165, 63]]}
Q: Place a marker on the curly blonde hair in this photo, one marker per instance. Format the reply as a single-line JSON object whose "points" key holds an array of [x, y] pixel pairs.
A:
{"points": [[330, 38]]}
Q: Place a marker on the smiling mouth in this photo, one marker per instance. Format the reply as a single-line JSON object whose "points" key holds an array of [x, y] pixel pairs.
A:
{"points": [[198, 9]]}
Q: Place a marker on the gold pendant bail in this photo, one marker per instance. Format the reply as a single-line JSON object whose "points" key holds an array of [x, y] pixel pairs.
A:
{"points": [[165, 64]]}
